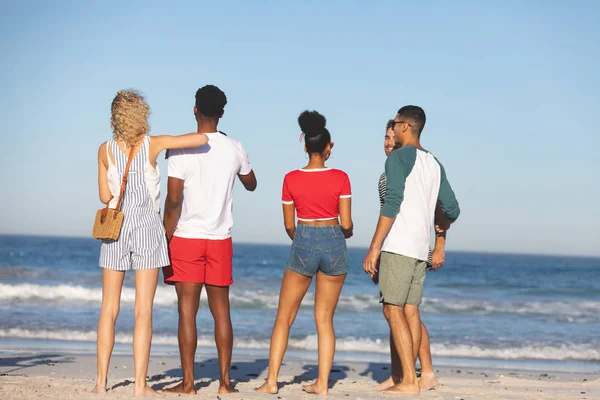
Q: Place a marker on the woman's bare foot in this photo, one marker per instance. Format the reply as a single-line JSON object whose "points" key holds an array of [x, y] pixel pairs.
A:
{"points": [[99, 389], [227, 389], [180, 388], [145, 391], [388, 383], [269, 388], [427, 381], [316, 388], [404, 388]]}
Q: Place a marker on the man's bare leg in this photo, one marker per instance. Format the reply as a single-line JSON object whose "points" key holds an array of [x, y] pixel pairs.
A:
{"points": [[428, 379], [188, 296], [396, 374], [404, 346], [218, 301], [413, 318]]}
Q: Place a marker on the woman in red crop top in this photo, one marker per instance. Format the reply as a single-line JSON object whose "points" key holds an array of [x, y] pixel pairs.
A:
{"points": [[320, 198]]}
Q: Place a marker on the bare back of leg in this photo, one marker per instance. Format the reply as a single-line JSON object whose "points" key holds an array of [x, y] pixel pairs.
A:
{"points": [[293, 289], [404, 345], [188, 300], [327, 294], [413, 318], [145, 289], [428, 379], [218, 300], [112, 283], [396, 373]]}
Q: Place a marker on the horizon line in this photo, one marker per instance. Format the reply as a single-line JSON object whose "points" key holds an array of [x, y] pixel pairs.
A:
{"points": [[486, 252]]}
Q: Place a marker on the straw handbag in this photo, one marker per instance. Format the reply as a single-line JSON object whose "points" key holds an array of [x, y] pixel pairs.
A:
{"points": [[108, 221]]}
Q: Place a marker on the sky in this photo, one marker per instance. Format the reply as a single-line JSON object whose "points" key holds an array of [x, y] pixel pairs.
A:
{"points": [[510, 93]]}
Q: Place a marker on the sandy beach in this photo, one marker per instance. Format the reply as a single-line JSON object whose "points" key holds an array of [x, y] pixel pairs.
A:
{"points": [[65, 376]]}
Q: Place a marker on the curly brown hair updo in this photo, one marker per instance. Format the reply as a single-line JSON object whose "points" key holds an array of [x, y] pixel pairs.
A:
{"points": [[316, 136], [129, 116]]}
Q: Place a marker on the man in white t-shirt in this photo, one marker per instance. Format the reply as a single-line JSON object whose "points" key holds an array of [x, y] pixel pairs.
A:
{"points": [[198, 221]]}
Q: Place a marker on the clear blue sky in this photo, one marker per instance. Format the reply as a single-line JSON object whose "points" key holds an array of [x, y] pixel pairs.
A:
{"points": [[510, 94]]}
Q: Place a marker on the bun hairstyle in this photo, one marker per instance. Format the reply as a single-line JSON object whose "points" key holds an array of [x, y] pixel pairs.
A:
{"points": [[316, 136]]}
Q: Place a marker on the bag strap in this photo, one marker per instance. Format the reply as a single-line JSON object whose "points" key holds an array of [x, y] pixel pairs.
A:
{"points": [[123, 184], [125, 175]]}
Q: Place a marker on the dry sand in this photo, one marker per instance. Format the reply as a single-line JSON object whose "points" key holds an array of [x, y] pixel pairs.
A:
{"points": [[63, 376]]}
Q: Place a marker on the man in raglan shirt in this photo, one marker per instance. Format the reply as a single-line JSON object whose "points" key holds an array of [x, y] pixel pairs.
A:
{"points": [[435, 260], [415, 182]]}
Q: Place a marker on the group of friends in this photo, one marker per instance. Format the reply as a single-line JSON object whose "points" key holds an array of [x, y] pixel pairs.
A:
{"points": [[192, 242]]}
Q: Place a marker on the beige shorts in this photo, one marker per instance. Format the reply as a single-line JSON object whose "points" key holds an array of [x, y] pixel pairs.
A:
{"points": [[401, 279]]}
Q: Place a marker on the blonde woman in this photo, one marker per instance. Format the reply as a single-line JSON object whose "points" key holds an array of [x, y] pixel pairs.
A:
{"points": [[142, 244]]}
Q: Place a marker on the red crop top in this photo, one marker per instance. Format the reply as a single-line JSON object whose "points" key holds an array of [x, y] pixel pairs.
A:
{"points": [[316, 193]]}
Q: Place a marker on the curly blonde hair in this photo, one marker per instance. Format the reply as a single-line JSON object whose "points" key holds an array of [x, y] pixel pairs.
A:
{"points": [[129, 116]]}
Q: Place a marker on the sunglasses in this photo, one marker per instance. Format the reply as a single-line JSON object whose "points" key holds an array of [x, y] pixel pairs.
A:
{"points": [[399, 122]]}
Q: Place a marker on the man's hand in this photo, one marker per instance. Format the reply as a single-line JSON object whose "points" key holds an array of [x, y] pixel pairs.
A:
{"points": [[371, 260], [375, 278], [437, 258]]}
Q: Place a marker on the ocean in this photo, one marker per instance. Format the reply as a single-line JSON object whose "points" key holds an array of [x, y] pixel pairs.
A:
{"points": [[502, 309]]}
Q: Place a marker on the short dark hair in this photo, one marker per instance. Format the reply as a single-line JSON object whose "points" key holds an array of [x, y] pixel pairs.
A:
{"points": [[316, 136], [415, 116], [210, 101], [389, 124]]}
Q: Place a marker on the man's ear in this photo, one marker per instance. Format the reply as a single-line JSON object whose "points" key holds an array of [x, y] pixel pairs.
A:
{"points": [[195, 111]]}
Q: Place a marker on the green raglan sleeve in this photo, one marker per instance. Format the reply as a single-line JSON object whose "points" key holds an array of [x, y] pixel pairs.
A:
{"points": [[447, 197], [398, 166]]}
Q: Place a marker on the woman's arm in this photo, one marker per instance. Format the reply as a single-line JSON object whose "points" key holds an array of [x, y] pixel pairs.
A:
{"points": [[289, 219], [346, 217], [103, 189], [164, 142]]}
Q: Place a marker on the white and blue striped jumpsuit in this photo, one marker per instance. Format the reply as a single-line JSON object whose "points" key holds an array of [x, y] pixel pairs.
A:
{"points": [[142, 242]]}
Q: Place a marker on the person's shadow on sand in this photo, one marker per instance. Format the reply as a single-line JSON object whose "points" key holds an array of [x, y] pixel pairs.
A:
{"points": [[311, 372], [379, 372], [207, 372], [20, 363]]}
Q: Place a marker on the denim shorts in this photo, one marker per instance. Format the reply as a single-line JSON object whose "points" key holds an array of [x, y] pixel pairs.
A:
{"points": [[318, 248]]}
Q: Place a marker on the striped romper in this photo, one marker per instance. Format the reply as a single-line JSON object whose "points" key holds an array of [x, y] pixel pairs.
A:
{"points": [[142, 243]]}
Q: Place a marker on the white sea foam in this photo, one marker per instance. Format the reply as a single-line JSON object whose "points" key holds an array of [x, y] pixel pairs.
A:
{"points": [[165, 295], [563, 351], [27, 292], [562, 311]]}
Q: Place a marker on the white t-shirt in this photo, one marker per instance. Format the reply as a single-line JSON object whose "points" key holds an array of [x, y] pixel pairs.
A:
{"points": [[209, 173]]}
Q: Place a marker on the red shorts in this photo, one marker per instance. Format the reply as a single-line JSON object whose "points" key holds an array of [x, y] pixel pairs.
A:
{"points": [[200, 261]]}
